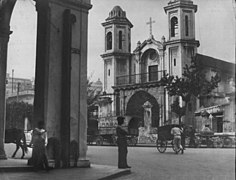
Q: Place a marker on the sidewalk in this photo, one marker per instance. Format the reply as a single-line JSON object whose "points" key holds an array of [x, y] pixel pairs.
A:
{"points": [[17, 169]]}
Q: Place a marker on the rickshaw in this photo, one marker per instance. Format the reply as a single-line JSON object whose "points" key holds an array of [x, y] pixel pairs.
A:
{"points": [[165, 138]]}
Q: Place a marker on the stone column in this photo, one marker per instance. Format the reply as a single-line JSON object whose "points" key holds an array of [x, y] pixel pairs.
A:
{"points": [[147, 116], [6, 8], [3, 65], [41, 69], [82, 119], [61, 77]]}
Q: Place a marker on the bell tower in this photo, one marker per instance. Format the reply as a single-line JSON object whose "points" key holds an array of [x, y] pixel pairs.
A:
{"points": [[181, 45], [117, 47]]}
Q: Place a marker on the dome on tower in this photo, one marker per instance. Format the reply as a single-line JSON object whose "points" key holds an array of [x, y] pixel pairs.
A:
{"points": [[117, 16], [98, 82], [117, 8], [117, 12], [178, 0], [181, 1]]}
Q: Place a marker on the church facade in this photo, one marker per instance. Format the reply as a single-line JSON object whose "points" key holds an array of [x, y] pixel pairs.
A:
{"points": [[132, 79]]}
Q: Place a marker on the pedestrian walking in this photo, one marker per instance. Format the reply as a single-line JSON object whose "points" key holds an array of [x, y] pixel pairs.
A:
{"points": [[122, 144], [39, 141], [176, 132]]}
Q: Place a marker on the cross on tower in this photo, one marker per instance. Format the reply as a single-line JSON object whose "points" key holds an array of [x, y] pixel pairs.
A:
{"points": [[150, 23]]}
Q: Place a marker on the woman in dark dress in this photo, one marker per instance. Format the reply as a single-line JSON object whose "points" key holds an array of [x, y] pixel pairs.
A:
{"points": [[122, 144]]}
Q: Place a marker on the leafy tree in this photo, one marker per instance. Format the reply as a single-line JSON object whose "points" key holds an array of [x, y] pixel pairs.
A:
{"points": [[92, 99], [176, 108], [92, 96], [193, 83], [16, 113]]}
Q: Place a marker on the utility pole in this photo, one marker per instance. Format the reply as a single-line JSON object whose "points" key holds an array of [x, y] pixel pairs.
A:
{"points": [[164, 93], [18, 90], [12, 80]]}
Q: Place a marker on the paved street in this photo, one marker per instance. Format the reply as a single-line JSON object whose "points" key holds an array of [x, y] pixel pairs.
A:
{"points": [[17, 169], [148, 164]]}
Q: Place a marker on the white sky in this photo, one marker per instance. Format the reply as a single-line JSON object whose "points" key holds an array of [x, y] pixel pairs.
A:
{"points": [[215, 29]]}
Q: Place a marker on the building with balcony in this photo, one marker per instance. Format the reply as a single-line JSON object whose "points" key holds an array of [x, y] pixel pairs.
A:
{"points": [[217, 109]]}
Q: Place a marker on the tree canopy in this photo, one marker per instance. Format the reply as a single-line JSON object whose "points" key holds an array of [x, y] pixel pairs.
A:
{"points": [[92, 97], [16, 113], [192, 83]]}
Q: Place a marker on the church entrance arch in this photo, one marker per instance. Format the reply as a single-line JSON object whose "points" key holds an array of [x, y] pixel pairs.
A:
{"points": [[136, 110], [133, 125], [143, 109]]}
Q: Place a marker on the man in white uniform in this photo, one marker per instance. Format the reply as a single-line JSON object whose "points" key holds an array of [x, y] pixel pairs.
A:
{"points": [[176, 131]]}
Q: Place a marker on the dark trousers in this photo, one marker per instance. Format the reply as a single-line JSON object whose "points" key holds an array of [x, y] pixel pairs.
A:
{"points": [[122, 153], [183, 141]]}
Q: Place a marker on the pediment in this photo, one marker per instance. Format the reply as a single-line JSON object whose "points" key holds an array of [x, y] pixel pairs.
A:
{"points": [[149, 43]]}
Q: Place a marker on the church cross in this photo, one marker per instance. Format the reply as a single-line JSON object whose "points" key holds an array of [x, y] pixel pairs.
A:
{"points": [[150, 23]]}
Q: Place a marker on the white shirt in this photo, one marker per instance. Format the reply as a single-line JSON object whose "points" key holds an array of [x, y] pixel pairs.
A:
{"points": [[176, 131]]}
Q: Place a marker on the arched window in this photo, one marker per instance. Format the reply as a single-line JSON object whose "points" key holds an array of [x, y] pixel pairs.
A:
{"points": [[109, 41], [120, 39], [186, 25], [174, 27]]}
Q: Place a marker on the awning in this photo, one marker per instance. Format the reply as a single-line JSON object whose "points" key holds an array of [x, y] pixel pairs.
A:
{"points": [[214, 110]]}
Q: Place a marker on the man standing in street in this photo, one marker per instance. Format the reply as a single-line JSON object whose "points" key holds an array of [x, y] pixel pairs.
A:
{"points": [[122, 144], [176, 132]]}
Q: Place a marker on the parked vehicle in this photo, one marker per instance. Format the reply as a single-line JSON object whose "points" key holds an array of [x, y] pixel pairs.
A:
{"points": [[107, 134], [215, 140]]}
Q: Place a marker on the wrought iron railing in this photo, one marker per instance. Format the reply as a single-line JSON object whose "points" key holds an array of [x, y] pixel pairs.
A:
{"points": [[140, 78], [24, 92]]}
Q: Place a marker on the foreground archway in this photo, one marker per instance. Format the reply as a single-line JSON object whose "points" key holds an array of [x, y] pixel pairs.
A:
{"points": [[61, 62], [6, 8]]}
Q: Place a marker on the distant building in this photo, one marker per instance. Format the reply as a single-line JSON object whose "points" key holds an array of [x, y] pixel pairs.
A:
{"points": [[97, 86], [217, 109], [19, 89]]}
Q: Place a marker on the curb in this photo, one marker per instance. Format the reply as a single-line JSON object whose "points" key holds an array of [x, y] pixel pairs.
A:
{"points": [[116, 175], [16, 169]]}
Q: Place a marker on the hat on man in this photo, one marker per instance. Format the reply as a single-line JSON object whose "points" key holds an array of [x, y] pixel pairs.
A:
{"points": [[120, 120], [120, 117]]}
